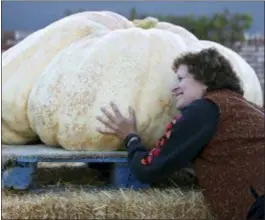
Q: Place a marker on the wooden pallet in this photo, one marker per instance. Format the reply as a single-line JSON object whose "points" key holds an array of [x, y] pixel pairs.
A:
{"points": [[26, 157]]}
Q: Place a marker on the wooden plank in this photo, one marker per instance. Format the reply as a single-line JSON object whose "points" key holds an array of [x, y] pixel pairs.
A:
{"points": [[26, 158], [42, 151]]}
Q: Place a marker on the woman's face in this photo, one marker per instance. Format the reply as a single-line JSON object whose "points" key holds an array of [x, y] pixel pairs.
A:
{"points": [[187, 89]]}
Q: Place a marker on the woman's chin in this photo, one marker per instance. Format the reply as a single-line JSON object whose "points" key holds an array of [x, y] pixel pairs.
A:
{"points": [[179, 105]]}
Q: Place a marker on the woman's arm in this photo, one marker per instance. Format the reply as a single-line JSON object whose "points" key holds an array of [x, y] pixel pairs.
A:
{"points": [[178, 147]]}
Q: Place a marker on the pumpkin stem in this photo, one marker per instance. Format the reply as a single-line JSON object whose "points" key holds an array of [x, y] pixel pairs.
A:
{"points": [[146, 23]]}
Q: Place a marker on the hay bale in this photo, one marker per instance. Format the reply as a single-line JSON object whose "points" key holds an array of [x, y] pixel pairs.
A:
{"points": [[174, 198], [107, 204]]}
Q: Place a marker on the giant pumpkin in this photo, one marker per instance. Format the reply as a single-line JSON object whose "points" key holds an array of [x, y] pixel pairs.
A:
{"points": [[23, 63], [102, 58], [64, 102]]}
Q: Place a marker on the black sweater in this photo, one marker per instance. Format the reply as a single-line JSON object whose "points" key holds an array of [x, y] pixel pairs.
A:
{"points": [[184, 138]]}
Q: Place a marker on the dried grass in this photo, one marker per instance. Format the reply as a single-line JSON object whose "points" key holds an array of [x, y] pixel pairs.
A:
{"points": [[165, 201]]}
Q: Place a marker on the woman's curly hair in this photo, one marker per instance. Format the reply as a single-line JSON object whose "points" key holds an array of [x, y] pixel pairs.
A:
{"points": [[211, 68]]}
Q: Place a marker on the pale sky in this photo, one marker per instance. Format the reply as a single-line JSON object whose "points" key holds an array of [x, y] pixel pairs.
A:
{"points": [[29, 15]]}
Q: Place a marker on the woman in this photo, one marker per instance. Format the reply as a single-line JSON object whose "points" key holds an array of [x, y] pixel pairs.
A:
{"points": [[220, 132]]}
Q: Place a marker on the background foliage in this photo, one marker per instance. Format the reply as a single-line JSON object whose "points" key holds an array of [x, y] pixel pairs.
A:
{"points": [[225, 27]]}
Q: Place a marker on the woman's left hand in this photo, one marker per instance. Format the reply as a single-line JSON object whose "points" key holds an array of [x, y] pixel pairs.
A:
{"points": [[118, 125]]}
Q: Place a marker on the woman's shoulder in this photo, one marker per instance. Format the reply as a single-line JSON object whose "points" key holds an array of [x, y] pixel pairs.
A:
{"points": [[202, 104], [201, 109]]}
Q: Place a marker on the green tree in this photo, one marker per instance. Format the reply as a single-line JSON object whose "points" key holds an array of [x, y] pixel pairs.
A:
{"points": [[228, 28], [133, 14], [225, 27]]}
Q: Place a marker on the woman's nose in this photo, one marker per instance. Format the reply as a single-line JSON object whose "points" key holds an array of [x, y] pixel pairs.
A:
{"points": [[176, 88]]}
